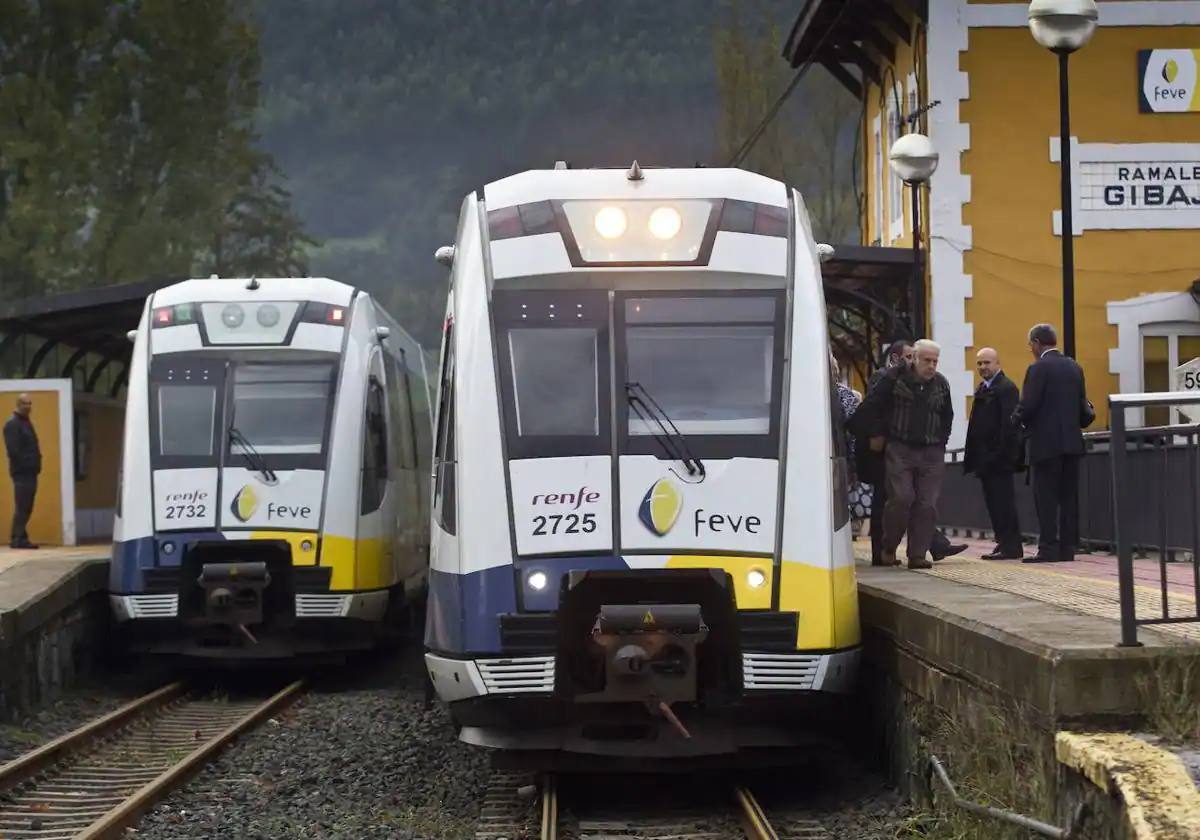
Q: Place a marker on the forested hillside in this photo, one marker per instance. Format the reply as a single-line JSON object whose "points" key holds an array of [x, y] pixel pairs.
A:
{"points": [[383, 115]]}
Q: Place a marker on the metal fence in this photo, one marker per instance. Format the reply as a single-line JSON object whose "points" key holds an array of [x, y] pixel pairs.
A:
{"points": [[1138, 496], [1160, 491]]}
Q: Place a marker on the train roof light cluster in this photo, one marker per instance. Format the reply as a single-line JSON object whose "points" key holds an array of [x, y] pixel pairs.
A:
{"points": [[636, 232]]}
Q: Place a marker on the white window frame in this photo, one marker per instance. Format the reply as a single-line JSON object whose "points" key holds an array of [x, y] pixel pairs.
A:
{"points": [[1171, 331], [877, 131], [895, 185]]}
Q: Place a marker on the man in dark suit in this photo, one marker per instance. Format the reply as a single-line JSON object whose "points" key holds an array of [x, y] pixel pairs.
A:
{"points": [[991, 452], [1053, 411]]}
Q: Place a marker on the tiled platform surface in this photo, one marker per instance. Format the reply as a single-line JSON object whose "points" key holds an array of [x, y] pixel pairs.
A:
{"points": [[1087, 585]]}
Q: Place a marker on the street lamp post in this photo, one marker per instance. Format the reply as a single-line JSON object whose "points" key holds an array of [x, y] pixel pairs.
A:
{"points": [[1063, 26], [914, 160]]}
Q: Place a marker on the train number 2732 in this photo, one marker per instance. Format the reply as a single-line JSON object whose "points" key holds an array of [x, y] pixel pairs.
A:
{"points": [[186, 511], [571, 523]]}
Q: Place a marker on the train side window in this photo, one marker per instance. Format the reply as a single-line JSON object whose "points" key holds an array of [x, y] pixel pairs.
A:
{"points": [[400, 408], [839, 461], [375, 461], [444, 502]]}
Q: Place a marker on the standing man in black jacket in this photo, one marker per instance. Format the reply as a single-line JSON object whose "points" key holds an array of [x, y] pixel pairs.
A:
{"points": [[1054, 410], [992, 452], [24, 465]]}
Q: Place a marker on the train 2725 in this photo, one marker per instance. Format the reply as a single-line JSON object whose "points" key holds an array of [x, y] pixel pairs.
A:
{"points": [[640, 536], [275, 477]]}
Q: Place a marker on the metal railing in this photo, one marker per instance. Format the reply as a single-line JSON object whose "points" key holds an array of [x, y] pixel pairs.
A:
{"points": [[1157, 481]]}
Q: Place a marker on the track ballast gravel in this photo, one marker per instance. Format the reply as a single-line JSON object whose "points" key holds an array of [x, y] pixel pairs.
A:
{"points": [[359, 757]]}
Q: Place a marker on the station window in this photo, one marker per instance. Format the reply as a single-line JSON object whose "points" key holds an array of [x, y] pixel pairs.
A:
{"points": [[877, 204], [895, 185], [1164, 348]]}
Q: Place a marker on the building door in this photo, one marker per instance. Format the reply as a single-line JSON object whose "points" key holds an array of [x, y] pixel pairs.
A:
{"points": [[1165, 346]]}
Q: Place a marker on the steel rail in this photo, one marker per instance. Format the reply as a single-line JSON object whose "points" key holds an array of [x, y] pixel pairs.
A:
{"points": [[96, 781], [549, 807], [27, 766], [125, 814], [757, 824]]}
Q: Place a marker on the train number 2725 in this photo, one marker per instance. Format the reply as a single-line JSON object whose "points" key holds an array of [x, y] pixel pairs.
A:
{"points": [[186, 511], [573, 523]]}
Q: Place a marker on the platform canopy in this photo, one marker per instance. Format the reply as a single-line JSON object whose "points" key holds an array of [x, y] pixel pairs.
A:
{"points": [[90, 322], [868, 300], [862, 34]]}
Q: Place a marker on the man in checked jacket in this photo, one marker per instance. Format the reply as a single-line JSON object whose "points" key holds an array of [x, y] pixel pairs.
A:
{"points": [[912, 412]]}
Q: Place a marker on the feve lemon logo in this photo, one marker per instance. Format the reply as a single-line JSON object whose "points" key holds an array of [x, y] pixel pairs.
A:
{"points": [[1167, 81], [245, 503], [660, 506]]}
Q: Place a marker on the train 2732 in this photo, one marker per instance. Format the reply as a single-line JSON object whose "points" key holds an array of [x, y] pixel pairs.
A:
{"points": [[275, 477], [640, 538]]}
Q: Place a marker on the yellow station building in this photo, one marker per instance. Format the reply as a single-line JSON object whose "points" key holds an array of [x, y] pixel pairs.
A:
{"points": [[990, 219]]}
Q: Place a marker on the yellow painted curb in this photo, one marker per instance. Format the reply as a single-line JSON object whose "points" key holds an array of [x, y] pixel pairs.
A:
{"points": [[1161, 800]]}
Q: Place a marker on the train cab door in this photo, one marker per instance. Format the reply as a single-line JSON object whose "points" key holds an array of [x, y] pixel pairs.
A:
{"points": [[409, 518], [376, 548]]}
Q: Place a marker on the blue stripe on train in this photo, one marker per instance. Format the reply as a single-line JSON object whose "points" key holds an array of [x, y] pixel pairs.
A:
{"points": [[131, 557], [463, 611]]}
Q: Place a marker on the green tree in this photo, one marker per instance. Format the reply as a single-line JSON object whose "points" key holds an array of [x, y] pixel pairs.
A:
{"points": [[809, 143], [127, 145]]}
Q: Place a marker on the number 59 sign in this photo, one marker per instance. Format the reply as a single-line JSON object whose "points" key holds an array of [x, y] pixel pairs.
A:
{"points": [[1187, 376]]}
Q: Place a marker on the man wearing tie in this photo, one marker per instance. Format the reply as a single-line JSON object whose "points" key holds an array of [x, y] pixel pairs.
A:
{"points": [[1054, 410], [992, 452]]}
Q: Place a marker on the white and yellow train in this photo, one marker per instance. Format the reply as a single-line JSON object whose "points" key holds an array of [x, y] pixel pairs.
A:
{"points": [[275, 476], [640, 527]]}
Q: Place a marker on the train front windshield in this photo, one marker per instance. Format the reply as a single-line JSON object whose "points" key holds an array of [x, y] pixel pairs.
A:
{"points": [[707, 361], [205, 410]]}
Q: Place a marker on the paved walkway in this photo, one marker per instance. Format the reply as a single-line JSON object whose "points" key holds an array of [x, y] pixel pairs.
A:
{"points": [[1087, 585]]}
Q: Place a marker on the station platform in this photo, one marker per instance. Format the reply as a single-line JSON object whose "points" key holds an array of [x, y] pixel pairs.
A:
{"points": [[1043, 636], [53, 617], [1086, 585]]}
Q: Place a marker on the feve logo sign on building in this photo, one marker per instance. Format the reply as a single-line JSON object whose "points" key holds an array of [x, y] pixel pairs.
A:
{"points": [[1167, 81]]}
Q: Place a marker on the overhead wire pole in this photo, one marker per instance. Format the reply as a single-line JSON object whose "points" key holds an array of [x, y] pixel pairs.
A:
{"points": [[748, 144]]}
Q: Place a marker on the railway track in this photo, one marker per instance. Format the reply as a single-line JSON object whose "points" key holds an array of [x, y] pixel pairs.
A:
{"points": [[92, 783], [518, 805]]}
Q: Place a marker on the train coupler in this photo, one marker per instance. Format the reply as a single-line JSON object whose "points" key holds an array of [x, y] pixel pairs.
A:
{"points": [[233, 593]]}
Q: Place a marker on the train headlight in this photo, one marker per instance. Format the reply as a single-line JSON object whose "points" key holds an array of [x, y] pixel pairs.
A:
{"points": [[610, 222], [537, 581], [232, 316], [267, 315], [168, 548], [306, 545], [665, 222], [756, 578]]}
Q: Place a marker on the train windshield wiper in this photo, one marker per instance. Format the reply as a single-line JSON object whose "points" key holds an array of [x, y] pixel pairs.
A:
{"points": [[668, 436], [257, 463]]}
